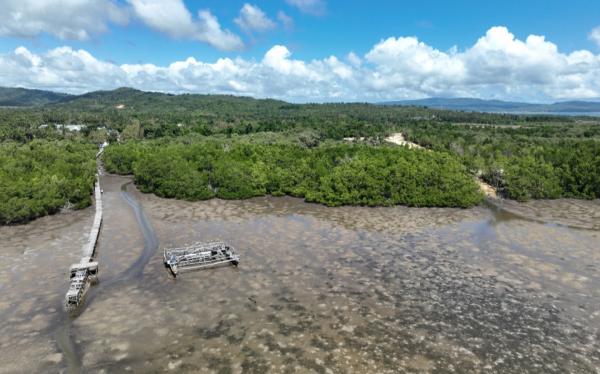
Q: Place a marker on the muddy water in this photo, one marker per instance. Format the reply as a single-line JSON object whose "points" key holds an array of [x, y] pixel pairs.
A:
{"points": [[325, 290]]}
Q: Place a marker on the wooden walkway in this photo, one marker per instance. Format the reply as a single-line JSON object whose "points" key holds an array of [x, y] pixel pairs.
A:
{"points": [[86, 271], [90, 247]]}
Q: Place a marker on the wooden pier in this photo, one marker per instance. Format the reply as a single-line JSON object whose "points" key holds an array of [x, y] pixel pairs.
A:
{"points": [[85, 272]]}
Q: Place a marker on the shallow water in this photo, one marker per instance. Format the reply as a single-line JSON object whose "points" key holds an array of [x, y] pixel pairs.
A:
{"points": [[318, 289]]}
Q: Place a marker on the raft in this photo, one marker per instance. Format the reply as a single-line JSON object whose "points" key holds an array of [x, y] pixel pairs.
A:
{"points": [[199, 256]]}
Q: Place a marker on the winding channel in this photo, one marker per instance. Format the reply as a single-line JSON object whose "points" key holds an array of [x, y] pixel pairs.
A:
{"points": [[64, 334]]}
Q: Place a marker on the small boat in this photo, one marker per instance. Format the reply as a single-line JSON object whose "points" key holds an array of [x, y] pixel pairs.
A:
{"points": [[199, 256]]}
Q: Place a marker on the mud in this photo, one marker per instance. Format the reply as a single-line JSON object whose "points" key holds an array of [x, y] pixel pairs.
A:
{"points": [[34, 263], [325, 290], [578, 214]]}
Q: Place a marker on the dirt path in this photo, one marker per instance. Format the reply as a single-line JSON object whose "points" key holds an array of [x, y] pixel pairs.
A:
{"points": [[487, 189], [398, 139]]}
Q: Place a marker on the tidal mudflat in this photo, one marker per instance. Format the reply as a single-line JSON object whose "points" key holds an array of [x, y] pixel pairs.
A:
{"points": [[34, 264], [325, 290]]}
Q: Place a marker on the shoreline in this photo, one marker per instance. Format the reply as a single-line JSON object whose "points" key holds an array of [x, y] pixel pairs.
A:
{"points": [[490, 198]]}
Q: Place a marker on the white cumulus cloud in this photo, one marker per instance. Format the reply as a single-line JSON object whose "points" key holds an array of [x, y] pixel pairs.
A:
{"points": [[82, 19], [174, 19], [67, 19], [497, 66], [252, 18], [170, 17], [61, 69]]}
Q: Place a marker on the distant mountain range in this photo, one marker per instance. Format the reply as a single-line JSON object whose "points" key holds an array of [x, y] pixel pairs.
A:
{"points": [[125, 98], [498, 106], [130, 99], [25, 97]]}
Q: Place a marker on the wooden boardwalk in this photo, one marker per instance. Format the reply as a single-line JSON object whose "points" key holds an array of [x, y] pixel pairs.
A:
{"points": [[90, 246], [85, 272]]}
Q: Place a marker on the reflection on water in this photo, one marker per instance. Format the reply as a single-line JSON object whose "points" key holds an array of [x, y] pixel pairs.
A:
{"points": [[578, 214], [318, 289]]}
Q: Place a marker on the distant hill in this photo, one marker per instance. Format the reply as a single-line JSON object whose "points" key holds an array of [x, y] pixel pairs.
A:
{"points": [[132, 100], [129, 99], [498, 106], [10, 96]]}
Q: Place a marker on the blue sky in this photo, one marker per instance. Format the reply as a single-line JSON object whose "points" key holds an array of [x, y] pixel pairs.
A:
{"points": [[447, 40]]}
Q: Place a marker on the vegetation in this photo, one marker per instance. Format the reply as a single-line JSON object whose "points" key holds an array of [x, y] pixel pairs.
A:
{"points": [[541, 162], [333, 174], [201, 146], [163, 115], [24, 97], [41, 177]]}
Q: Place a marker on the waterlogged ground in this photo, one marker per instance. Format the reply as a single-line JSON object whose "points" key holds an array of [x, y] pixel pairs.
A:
{"points": [[325, 290], [34, 262]]}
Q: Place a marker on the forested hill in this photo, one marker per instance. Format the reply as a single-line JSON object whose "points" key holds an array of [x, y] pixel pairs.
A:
{"points": [[18, 97], [478, 105], [132, 100], [161, 114]]}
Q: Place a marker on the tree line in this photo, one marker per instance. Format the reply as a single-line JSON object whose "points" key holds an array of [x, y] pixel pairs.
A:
{"points": [[332, 173], [41, 177], [523, 163], [202, 146]]}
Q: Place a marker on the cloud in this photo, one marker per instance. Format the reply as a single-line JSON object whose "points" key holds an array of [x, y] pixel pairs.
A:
{"points": [[314, 7], [354, 59], [498, 66], [211, 32], [174, 19], [286, 21], [81, 19], [170, 17], [75, 20], [595, 36], [62, 69], [252, 18]]}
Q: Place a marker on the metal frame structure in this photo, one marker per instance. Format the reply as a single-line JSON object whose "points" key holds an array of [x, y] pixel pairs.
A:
{"points": [[199, 256]]}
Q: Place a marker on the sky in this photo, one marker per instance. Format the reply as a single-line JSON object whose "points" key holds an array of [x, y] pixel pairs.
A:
{"points": [[307, 50]]}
